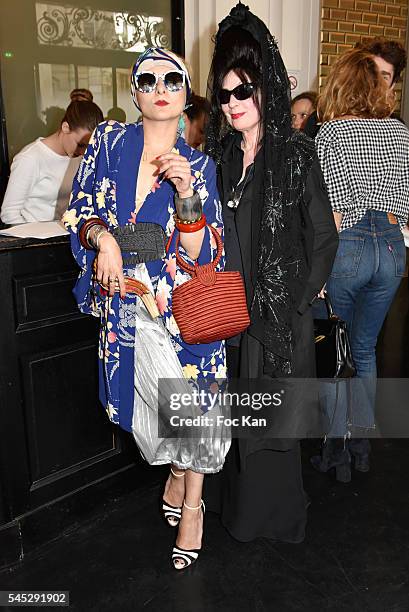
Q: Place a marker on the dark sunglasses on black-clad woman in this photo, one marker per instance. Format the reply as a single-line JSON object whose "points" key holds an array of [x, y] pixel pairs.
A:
{"points": [[146, 82], [244, 91]]}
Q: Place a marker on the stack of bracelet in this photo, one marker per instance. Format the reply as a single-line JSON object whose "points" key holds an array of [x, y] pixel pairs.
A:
{"points": [[189, 216], [91, 232]]}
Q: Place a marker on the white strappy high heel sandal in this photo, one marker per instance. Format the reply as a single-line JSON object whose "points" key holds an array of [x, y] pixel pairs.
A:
{"points": [[187, 556], [172, 514]]}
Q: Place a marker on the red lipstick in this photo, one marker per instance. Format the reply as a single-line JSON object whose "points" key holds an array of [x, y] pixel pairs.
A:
{"points": [[161, 103], [237, 115]]}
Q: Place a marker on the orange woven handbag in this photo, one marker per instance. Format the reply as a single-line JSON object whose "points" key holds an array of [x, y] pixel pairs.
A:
{"points": [[212, 305]]}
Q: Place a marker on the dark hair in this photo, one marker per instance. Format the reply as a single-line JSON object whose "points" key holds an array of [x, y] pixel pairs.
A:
{"points": [[238, 51], [389, 50], [198, 106], [306, 95], [117, 114], [81, 94], [83, 114], [355, 87]]}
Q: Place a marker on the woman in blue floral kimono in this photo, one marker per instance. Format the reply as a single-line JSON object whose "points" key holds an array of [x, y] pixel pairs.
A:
{"points": [[142, 173]]}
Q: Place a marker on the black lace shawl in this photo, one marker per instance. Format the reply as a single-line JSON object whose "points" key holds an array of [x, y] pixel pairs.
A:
{"points": [[287, 159]]}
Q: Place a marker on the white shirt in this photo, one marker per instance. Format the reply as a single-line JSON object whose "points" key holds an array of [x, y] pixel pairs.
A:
{"points": [[40, 181]]}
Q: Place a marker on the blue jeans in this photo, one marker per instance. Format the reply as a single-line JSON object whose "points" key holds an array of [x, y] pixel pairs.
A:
{"points": [[366, 274]]}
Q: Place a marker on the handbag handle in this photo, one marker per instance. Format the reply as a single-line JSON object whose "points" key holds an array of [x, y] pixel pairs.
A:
{"points": [[192, 269], [330, 309]]}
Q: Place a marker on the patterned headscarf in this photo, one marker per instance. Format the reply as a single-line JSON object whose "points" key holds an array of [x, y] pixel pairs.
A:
{"points": [[161, 55]]}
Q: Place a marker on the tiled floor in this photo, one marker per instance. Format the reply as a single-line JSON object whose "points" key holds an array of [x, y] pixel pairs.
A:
{"points": [[355, 557]]}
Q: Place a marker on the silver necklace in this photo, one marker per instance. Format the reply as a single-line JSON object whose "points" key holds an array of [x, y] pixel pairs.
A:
{"points": [[237, 194]]}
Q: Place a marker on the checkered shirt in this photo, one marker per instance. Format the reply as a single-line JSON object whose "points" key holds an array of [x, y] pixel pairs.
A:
{"points": [[365, 163]]}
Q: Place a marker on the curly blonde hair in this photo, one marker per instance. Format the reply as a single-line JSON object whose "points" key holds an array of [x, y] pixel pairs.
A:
{"points": [[355, 87]]}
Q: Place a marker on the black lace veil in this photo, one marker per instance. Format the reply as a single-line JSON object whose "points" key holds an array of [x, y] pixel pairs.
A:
{"points": [[287, 158]]}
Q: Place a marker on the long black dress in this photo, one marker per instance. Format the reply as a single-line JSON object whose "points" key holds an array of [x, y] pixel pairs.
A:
{"points": [[260, 492]]}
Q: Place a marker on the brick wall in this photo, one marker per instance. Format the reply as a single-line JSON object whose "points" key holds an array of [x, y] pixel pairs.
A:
{"points": [[346, 22]]}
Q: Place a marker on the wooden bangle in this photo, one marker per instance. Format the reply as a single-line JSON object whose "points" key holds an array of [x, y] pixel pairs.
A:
{"points": [[189, 228], [86, 226]]}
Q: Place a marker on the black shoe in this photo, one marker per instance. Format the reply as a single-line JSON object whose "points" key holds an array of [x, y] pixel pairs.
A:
{"points": [[334, 454], [171, 514], [360, 449]]}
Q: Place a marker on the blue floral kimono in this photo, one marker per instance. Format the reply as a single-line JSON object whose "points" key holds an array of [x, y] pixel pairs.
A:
{"points": [[105, 187]]}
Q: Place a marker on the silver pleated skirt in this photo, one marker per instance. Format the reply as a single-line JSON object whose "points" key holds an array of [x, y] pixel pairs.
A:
{"points": [[203, 450]]}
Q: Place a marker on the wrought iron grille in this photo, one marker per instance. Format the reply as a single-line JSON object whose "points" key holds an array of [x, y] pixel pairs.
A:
{"points": [[84, 27]]}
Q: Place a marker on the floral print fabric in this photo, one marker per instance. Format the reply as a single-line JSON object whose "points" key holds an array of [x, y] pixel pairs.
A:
{"points": [[105, 187]]}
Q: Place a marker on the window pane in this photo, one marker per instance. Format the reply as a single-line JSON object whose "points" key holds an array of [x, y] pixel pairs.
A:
{"points": [[99, 81], [53, 81], [124, 99], [49, 48]]}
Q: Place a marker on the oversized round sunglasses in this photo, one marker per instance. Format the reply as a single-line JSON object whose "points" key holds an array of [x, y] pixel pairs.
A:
{"points": [[146, 82], [244, 91]]}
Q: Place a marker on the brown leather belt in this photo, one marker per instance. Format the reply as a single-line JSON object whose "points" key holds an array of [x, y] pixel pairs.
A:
{"points": [[392, 219]]}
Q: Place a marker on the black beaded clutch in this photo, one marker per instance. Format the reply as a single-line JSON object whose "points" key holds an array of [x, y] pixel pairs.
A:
{"points": [[141, 242]]}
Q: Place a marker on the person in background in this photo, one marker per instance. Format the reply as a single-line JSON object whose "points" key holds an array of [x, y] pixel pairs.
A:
{"points": [[41, 174], [53, 117], [195, 119], [54, 114], [364, 155], [302, 107], [116, 113], [390, 57]]}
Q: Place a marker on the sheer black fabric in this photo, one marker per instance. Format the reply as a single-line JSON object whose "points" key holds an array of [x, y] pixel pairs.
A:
{"points": [[281, 171]]}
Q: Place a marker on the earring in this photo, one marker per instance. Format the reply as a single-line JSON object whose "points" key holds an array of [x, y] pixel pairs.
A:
{"points": [[181, 126]]}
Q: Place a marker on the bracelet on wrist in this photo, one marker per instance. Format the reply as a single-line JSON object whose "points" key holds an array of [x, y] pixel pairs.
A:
{"points": [[89, 234], [98, 237], [86, 228], [189, 209], [189, 227], [93, 234]]}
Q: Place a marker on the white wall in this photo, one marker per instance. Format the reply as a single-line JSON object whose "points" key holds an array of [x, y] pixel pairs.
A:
{"points": [[294, 23]]}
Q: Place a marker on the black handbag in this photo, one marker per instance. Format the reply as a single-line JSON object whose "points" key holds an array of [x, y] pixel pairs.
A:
{"points": [[332, 349]]}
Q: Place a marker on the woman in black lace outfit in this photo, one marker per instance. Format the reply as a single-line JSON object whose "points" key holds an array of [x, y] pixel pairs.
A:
{"points": [[280, 233]]}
